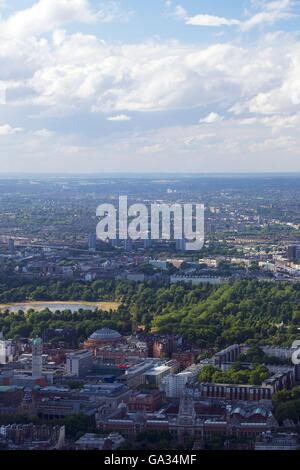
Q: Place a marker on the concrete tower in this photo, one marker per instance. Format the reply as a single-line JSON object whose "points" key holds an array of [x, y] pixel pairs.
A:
{"points": [[11, 246], [37, 358]]}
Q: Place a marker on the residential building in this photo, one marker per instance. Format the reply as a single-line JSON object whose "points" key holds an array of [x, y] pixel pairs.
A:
{"points": [[7, 350], [91, 441], [146, 401], [278, 441]]}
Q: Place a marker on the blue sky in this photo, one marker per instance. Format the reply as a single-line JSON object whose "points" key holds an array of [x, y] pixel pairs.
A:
{"points": [[203, 86]]}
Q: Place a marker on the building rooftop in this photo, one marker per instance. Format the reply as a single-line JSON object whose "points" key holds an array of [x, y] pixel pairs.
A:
{"points": [[105, 334], [158, 370]]}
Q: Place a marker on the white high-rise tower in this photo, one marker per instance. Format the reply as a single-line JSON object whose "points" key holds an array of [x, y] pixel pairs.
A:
{"points": [[37, 358]]}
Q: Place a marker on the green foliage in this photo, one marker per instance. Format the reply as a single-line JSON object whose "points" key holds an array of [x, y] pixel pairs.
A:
{"points": [[254, 354], [77, 425], [234, 375], [244, 311], [210, 317], [289, 410], [286, 405], [150, 440], [6, 419], [216, 442]]}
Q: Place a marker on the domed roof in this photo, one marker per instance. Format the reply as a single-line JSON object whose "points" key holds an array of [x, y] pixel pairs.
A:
{"points": [[105, 334]]}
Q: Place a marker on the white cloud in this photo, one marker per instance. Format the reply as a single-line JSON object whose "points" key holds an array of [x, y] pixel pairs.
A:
{"points": [[211, 118], [282, 143], [203, 19], [48, 15], [85, 70], [195, 142], [65, 74], [44, 133], [58, 37], [68, 72], [78, 71], [148, 149], [278, 124], [264, 17], [272, 5], [6, 129], [282, 96], [209, 20], [119, 118], [228, 142], [228, 145], [111, 10], [271, 13], [180, 13]]}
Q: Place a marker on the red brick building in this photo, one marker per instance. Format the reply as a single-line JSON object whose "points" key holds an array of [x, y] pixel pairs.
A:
{"points": [[184, 358], [145, 401]]}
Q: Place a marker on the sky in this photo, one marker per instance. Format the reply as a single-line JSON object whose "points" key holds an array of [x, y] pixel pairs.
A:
{"points": [[89, 86]]}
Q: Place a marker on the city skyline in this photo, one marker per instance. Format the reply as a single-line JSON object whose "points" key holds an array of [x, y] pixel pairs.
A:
{"points": [[175, 86]]}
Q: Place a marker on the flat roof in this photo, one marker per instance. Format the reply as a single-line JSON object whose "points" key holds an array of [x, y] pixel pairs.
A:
{"points": [[158, 370]]}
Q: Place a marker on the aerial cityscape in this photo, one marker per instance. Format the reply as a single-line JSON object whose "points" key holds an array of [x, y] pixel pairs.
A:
{"points": [[142, 344], [149, 229]]}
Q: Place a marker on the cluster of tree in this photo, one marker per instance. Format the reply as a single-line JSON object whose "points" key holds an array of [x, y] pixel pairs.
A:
{"points": [[234, 375], [151, 440], [239, 312], [16, 289], [210, 317], [286, 405], [140, 303], [256, 355], [85, 322], [288, 411]]}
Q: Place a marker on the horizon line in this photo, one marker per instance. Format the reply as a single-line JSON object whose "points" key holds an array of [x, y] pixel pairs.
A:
{"points": [[4, 175]]}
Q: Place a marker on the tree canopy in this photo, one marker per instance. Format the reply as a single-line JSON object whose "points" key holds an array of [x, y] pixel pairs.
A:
{"points": [[209, 317]]}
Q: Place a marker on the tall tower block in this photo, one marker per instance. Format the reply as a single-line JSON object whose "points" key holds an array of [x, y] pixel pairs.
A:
{"points": [[37, 358]]}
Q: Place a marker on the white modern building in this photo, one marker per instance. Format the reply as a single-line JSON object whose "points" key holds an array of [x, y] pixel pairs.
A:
{"points": [[155, 376], [6, 351], [79, 363], [37, 358], [174, 384], [97, 442]]}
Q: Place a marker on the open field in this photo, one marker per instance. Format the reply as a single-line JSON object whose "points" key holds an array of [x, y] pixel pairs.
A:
{"points": [[59, 305]]}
